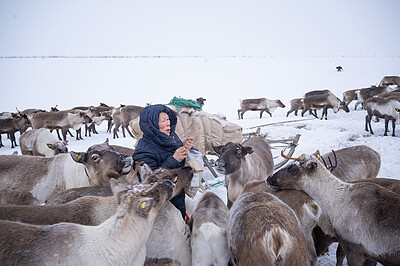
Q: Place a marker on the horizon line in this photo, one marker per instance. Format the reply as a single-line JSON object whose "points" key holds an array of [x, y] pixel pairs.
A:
{"points": [[181, 56]]}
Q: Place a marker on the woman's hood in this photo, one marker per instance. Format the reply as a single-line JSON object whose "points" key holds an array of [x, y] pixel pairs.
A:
{"points": [[149, 118]]}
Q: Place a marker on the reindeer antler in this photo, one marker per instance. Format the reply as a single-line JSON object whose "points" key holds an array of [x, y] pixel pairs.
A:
{"points": [[134, 174], [155, 184], [301, 158], [331, 167]]}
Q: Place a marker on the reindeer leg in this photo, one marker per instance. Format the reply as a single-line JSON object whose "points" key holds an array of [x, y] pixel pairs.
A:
{"points": [[1, 143], [115, 132], [386, 126], [313, 113], [69, 132], [12, 138], [64, 133], [58, 134], [93, 127], [393, 126], [261, 113], [340, 255], [130, 133], [369, 123]]}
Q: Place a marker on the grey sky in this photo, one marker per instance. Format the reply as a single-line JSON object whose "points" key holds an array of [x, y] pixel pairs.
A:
{"points": [[208, 28]]}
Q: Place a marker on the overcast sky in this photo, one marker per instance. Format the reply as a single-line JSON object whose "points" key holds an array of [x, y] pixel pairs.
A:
{"points": [[205, 28]]}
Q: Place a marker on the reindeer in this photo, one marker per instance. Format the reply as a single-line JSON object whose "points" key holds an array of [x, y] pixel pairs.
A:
{"points": [[260, 104], [390, 80], [13, 124], [241, 163], [33, 179], [170, 236], [349, 96], [324, 99], [208, 225], [41, 142], [364, 216], [387, 108], [120, 240], [123, 116], [262, 230], [306, 209], [63, 120]]}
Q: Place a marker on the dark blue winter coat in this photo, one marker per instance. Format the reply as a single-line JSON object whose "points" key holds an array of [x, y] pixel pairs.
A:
{"points": [[156, 148]]}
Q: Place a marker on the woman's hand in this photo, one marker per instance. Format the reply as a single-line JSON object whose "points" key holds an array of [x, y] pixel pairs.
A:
{"points": [[188, 142], [180, 154]]}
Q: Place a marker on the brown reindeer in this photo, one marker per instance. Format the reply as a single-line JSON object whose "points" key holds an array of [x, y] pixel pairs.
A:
{"points": [[63, 120], [260, 104], [390, 80], [33, 180], [13, 124], [240, 163], [262, 230], [323, 99], [306, 209], [123, 116]]}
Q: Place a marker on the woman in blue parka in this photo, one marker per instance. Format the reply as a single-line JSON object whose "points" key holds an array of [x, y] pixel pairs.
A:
{"points": [[160, 146]]}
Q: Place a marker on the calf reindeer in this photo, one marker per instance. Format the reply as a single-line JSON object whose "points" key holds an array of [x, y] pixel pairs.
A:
{"points": [[208, 241], [262, 230], [364, 216], [120, 240]]}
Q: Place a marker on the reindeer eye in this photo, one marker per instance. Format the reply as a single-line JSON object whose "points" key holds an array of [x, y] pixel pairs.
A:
{"points": [[95, 157], [293, 170]]}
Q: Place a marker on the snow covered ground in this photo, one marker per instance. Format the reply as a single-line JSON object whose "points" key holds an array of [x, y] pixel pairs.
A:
{"points": [[222, 82]]}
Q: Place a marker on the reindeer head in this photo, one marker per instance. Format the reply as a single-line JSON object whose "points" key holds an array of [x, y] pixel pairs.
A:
{"points": [[103, 162], [184, 176], [299, 172], [230, 157], [150, 197]]}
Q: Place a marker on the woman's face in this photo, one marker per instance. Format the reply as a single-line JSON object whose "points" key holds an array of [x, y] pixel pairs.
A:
{"points": [[164, 123]]}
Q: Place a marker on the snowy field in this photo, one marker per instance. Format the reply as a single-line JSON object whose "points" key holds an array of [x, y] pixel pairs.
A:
{"points": [[222, 82]]}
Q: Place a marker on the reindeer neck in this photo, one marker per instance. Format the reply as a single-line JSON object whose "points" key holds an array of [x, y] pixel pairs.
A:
{"points": [[325, 189], [124, 235]]}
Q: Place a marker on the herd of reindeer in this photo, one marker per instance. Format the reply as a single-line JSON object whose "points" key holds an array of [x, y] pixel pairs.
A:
{"points": [[88, 208]]}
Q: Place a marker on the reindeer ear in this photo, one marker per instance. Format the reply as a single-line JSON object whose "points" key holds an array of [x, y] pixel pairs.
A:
{"points": [[78, 157], [317, 154], [106, 142], [145, 173], [144, 206], [242, 150], [217, 149], [248, 150]]}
